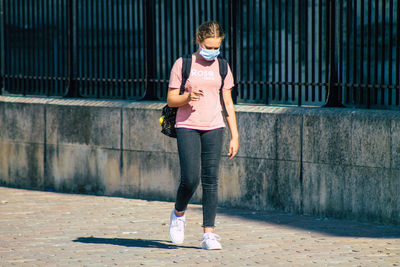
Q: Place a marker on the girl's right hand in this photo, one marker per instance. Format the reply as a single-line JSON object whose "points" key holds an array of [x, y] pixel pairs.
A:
{"points": [[195, 94]]}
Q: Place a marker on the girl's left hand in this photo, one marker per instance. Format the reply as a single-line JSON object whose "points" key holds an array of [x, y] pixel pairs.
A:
{"points": [[233, 148]]}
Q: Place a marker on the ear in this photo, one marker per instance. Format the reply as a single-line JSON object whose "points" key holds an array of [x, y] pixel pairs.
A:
{"points": [[197, 40]]}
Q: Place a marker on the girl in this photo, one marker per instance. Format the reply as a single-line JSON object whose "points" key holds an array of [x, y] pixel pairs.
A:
{"points": [[200, 127]]}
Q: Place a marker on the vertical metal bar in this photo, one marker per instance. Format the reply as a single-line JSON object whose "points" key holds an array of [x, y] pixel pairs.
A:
{"points": [[108, 51], [39, 52], [46, 32], [273, 54], [348, 31], [369, 30], [222, 17], [52, 40], [233, 29], [182, 29], [93, 48], [130, 48], [135, 32], [97, 60], [200, 14], [41, 66], [85, 48], [211, 7], [355, 53], [2, 47], [241, 40], [362, 35], [65, 46], [114, 49], [9, 52], [390, 52], [299, 52], [72, 90], [29, 37], [59, 89], [192, 16], [248, 86], [285, 97], [119, 38], [286, 47], [142, 45], [159, 48], [178, 51], [306, 47], [383, 52], [24, 49], [206, 10], [305, 28], [17, 38], [20, 23], [398, 54], [33, 31], [340, 62], [189, 37], [254, 31], [165, 37], [313, 50], [376, 43], [293, 49], [260, 50], [267, 52], [125, 52], [171, 44], [83, 45], [333, 95], [54, 56], [149, 8], [104, 55], [320, 46]]}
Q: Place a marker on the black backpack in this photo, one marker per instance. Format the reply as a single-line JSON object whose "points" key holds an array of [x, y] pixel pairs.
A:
{"points": [[168, 115]]}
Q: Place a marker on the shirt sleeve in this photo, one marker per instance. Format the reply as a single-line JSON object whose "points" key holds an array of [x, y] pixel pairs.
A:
{"points": [[229, 81], [175, 78]]}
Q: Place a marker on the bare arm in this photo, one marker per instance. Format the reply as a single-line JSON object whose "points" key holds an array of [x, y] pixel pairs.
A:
{"points": [[174, 99], [232, 124]]}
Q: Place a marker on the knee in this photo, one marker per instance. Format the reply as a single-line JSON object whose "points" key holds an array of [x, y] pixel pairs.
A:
{"points": [[210, 184], [190, 183]]}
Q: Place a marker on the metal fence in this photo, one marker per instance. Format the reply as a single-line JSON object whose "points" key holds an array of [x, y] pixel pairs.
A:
{"points": [[296, 52]]}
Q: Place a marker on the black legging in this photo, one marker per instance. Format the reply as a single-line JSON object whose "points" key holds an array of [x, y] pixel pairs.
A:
{"points": [[199, 149]]}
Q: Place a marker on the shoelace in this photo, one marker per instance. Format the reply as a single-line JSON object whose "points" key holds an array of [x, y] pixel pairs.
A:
{"points": [[179, 221], [210, 236]]}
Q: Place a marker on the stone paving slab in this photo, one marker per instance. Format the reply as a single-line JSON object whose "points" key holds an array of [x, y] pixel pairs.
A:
{"points": [[53, 229]]}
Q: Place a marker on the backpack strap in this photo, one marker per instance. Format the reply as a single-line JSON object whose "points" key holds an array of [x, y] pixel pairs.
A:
{"points": [[186, 65], [223, 71]]}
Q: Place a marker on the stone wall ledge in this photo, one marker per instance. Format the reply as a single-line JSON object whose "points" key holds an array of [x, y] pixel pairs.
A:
{"points": [[337, 162]]}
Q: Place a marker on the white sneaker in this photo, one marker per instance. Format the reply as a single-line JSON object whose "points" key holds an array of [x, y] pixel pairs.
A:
{"points": [[211, 241], [177, 228]]}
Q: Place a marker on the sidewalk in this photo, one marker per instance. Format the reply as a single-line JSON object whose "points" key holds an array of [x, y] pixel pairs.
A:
{"points": [[52, 229]]}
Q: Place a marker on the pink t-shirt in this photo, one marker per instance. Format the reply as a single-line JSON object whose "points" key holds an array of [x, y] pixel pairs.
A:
{"points": [[204, 114]]}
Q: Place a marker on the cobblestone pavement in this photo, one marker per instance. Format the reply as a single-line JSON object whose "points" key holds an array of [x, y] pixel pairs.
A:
{"points": [[52, 229]]}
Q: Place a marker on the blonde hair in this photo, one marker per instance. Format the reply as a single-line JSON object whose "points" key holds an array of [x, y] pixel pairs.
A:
{"points": [[209, 29]]}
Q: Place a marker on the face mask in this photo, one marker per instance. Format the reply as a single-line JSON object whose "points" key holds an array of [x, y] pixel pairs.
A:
{"points": [[209, 54]]}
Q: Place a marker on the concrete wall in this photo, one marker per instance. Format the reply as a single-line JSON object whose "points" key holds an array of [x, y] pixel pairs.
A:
{"points": [[341, 163]]}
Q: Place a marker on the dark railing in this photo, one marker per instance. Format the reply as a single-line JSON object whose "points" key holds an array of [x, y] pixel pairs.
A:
{"points": [[311, 52]]}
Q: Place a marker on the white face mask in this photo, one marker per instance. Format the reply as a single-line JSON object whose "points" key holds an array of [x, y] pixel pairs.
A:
{"points": [[209, 54]]}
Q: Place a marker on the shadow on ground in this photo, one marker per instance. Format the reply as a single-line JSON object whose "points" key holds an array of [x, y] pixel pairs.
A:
{"points": [[127, 242], [328, 226]]}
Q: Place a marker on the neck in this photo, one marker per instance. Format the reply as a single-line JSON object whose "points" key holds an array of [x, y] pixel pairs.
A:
{"points": [[198, 56]]}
